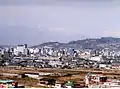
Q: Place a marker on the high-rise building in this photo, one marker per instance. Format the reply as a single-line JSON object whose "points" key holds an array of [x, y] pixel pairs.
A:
{"points": [[21, 49]]}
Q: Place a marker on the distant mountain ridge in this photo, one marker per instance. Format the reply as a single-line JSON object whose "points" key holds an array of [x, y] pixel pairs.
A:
{"points": [[6, 46], [84, 43]]}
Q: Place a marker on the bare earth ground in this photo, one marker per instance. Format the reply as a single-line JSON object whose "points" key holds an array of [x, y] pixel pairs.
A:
{"points": [[77, 74]]}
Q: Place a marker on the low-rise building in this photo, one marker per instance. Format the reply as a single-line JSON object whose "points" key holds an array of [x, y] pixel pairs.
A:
{"points": [[32, 75], [96, 58]]}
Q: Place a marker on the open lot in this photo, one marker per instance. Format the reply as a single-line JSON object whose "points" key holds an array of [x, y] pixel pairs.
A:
{"points": [[76, 74]]}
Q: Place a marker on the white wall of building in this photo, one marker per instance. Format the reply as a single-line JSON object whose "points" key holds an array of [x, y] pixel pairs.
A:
{"points": [[15, 51], [102, 65], [31, 50], [97, 58], [36, 50], [32, 75], [20, 49]]}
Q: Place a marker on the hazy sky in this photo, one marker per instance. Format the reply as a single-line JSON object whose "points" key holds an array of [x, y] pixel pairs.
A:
{"points": [[37, 21]]}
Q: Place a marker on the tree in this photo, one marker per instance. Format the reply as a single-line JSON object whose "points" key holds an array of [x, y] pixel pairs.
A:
{"points": [[2, 61]]}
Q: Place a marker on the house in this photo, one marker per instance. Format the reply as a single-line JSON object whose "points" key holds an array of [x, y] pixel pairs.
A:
{"points": [[101, 65], [112, 84], [8, 84], [43, 73], [96, 58], [95, 78], [78, 85], [59, 84], [36, 50], [9, 74], [85, 55], [55, 63], [116, 65], [32, 75], [47, 82]]}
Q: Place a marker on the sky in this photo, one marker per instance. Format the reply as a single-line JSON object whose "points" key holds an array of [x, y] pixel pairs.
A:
{"points": [[37, 21]]}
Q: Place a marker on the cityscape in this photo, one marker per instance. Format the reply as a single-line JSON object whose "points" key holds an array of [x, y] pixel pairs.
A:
{"points": [[52, 62], [59, 44]]}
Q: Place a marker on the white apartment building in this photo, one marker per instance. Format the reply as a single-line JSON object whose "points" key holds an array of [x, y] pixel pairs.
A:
{"points": [[20, 49]]}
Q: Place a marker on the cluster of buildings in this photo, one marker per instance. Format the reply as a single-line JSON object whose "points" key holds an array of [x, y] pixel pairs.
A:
{"points": [[64, 58], [101, 81], [47, 51], [7, 83], [47, 57]]}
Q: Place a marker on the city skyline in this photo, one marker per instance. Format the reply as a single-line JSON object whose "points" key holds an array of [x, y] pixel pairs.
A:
{"points": [[37, 21]]}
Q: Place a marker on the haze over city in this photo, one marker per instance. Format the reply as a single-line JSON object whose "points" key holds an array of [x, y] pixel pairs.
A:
{"points": [[37, 21]]}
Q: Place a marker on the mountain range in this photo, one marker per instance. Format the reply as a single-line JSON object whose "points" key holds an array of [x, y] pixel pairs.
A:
{"points": [[89, 43]]}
